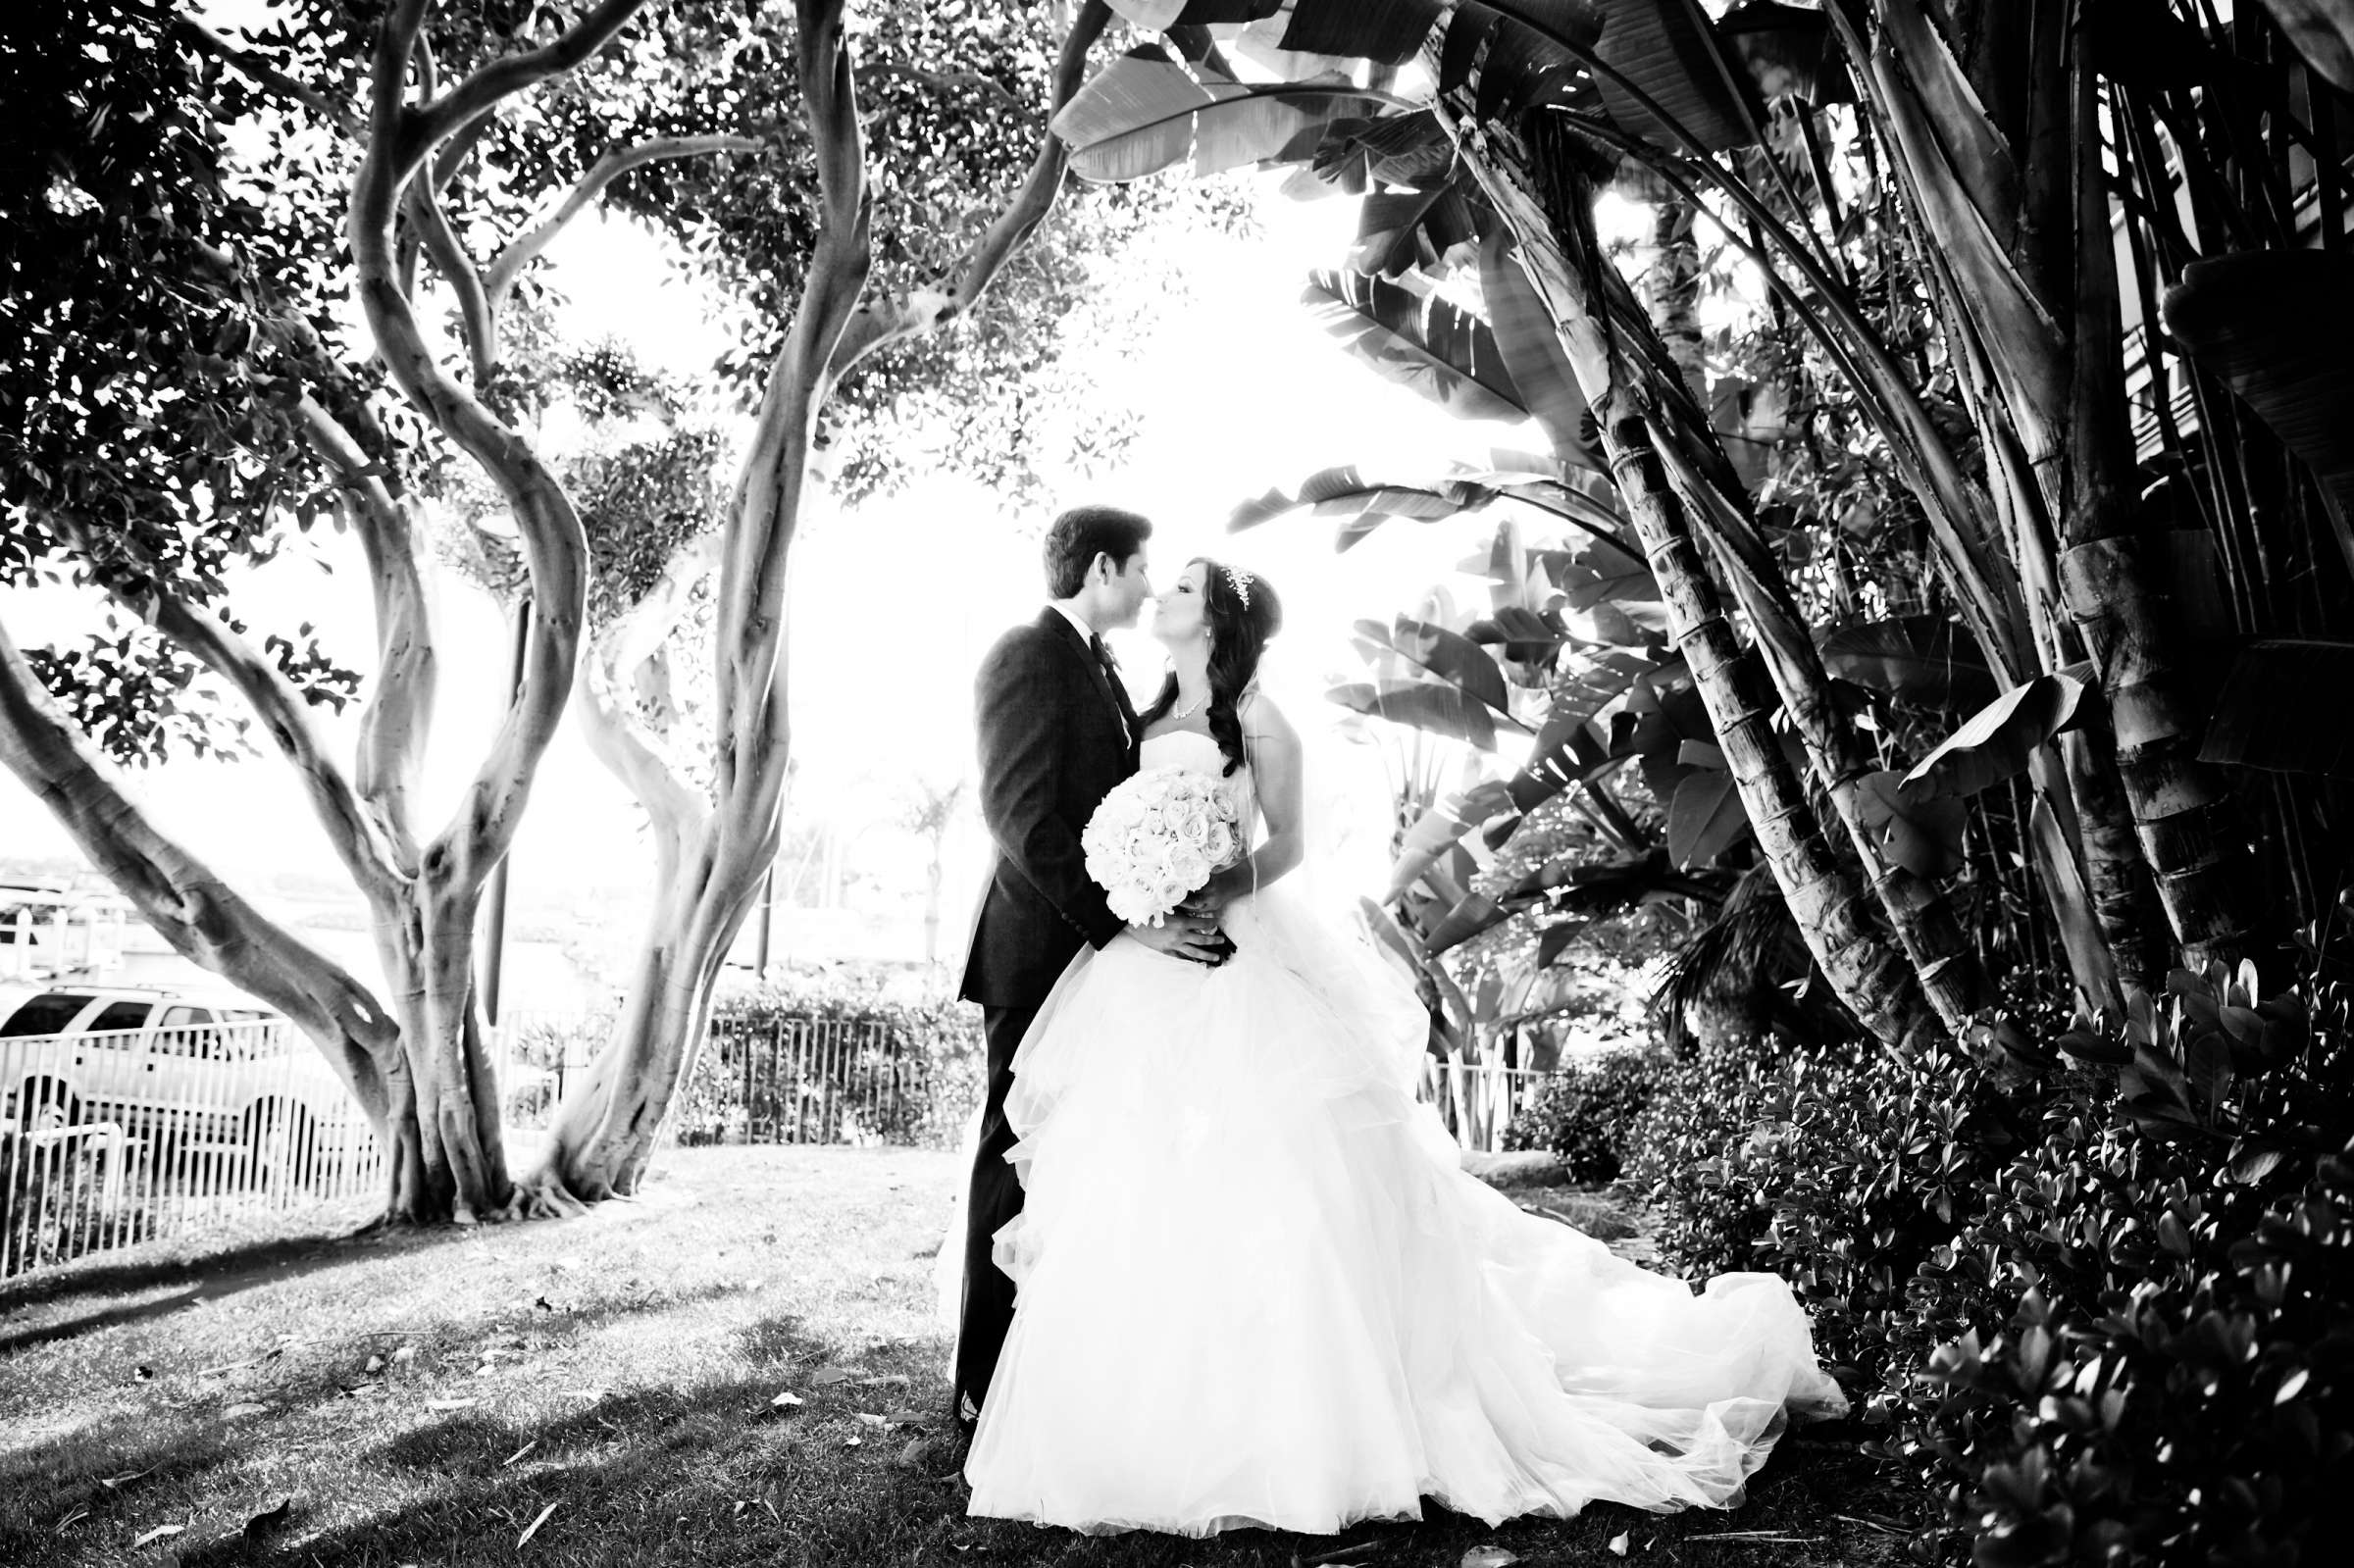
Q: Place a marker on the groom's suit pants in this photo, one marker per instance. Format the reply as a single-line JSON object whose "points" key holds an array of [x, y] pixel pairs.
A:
{"points": [[996, 1198]]}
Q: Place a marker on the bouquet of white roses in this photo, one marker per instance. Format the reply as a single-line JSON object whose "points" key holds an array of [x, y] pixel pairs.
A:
{"points": [[1155, 840]]}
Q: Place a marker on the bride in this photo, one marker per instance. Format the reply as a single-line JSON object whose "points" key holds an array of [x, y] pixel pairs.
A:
{"points": [[1254, 1286]]}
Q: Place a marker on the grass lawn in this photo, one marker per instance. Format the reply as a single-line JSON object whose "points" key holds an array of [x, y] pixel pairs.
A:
{"points": [[427, 1397]]}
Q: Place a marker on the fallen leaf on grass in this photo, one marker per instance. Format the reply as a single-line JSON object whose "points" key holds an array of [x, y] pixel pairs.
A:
{"points": [[270, 1518], [905, 1417], [870, 1418], [518, 1453], [1618, 1544], [115, 1483], [357, 1389], [451, 1404], [244, 1409], [852, 1442], [159, 1533], [533, 1528], [889, 1380], [68, 1521], [376, 1363], [1489, 1557], [827, 1377], [407, 1352]]}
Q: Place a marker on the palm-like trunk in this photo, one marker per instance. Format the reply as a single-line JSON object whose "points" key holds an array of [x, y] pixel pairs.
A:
{"points": [[2012, 199], [1538, 201]]}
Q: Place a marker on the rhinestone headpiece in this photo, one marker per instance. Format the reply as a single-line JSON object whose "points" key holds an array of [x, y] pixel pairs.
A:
{"points": [[1240, 580]]}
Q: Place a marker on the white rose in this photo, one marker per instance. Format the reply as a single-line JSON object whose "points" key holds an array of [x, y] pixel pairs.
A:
{"points": [[1189, 866]]}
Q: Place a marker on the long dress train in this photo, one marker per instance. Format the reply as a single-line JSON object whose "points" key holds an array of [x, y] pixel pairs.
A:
{"points": [[1256, 1287]]}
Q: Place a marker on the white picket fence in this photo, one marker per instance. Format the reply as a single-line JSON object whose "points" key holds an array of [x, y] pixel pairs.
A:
{"points": [[108, 1139], [113, 1139], [1478, 1100]]}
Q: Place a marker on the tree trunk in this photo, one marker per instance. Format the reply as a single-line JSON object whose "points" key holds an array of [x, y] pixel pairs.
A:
{"points": [[714, 859], [2015, 202], [1538, 201]]}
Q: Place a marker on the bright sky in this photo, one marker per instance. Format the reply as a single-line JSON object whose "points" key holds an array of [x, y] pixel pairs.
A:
{"points": [[894, 604]]}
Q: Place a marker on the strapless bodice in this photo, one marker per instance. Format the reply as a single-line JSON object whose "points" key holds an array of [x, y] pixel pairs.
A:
{"points": [[1189, 750]]}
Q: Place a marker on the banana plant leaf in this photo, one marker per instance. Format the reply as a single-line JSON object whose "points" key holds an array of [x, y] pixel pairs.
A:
{"points": [[1532, 350], [1409, 152], [1448, 654], [1921, 833], [1144, 113], [1477, 913], [1437, 830], [1526, 635], [1427, 705], [2288, 706], [1996, 742], [1568, 751], [2323, 31], [1400, 231], [1390, 32], [1666, 50], [1705, 819], [2277, 328], [1921, 660], [1366, 504], [1441, 351]]}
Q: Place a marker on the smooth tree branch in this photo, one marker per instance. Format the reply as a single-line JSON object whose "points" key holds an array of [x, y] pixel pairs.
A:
{"points": [[498, 280], [184, 900], [398, 711], [483, 91], [925, 311], [555, 548], [282, 711]]}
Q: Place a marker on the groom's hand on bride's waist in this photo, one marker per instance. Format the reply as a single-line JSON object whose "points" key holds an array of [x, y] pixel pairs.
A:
{"points": [[1192, 937]]}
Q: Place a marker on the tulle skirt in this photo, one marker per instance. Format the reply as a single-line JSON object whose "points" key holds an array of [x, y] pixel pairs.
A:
{"points": [[1256, 1287]]}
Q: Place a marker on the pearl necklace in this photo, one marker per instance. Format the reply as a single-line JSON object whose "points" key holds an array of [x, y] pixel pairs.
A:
{"points": [[1189, 709]]}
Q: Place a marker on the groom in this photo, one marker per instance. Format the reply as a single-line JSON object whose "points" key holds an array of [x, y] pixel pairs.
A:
{"points": [[1056, 733]]}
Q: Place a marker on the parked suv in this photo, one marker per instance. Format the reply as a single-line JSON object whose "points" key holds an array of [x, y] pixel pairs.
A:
{"points": [[203, 1077]]}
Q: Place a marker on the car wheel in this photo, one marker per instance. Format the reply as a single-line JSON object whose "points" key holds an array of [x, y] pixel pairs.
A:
{"points": [[278, 1145], [44, 1105]]}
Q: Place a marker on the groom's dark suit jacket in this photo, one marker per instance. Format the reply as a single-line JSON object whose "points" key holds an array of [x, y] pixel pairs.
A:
{"points": [[1056, 733]]}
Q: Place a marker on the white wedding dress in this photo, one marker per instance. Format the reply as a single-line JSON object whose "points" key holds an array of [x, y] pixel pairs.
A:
{"points": [[1256, 1287]]}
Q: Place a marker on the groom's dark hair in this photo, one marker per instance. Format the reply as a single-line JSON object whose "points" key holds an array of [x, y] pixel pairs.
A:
{"points": [[1076, 538]]}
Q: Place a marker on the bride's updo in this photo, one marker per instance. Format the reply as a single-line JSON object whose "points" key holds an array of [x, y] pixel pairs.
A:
{"points": [[1242, 612]]}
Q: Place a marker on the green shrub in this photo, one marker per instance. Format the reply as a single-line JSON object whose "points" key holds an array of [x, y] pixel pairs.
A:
{"points": [[1586, 1110], [895, 1071], [2099, 1299]]}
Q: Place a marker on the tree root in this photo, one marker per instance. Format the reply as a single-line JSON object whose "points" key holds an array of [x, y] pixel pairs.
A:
{"points": [[544, 1196]]}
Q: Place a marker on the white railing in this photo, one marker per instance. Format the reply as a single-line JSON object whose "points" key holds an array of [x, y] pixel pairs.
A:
{"points": [[1478, 1100], [132, 1136]]}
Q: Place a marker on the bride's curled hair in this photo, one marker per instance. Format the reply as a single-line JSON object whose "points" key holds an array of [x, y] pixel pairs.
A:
{"points": [[1242, 612]]}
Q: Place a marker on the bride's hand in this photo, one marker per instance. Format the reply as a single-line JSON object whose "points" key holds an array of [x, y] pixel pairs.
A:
{"points": [[1192, 937], [1222, 888]]}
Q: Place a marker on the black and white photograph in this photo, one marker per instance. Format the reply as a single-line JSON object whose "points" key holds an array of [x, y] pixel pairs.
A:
{"points": [[1177, 784]]}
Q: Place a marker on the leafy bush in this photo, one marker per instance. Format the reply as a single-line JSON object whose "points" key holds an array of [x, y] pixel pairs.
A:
{"points": [[1585, 1111], [2099, 1299], [824, 1058]]}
